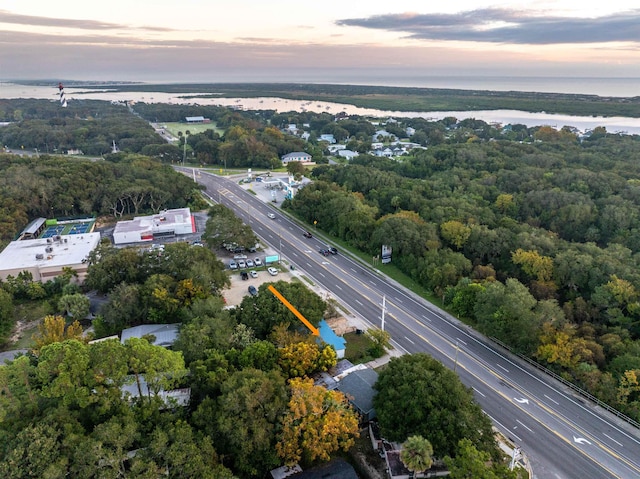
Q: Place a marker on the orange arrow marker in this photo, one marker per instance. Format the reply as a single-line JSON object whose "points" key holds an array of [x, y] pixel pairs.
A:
{"points": [[315, 331]]}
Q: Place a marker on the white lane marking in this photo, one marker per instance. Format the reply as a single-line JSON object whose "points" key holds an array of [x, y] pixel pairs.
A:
{"points": [[426, 318], [521, 400], [399, 300], [555, 402], [338, 287], [580, 440], [479, 393], [353, 270], [461, 341], [373, 283], [502, 367], [409, 340], [524, 426], [609, 437], [359, 303], [321, 274], [503, 427]]}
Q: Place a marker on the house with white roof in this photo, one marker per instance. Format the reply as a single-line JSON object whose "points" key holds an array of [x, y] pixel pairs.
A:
{"points": [[328, 138], [165, 334], [348, 154], [300, 156]]}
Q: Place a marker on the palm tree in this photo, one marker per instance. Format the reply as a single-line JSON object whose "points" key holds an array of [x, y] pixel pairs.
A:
{"points": [[417, 454]]}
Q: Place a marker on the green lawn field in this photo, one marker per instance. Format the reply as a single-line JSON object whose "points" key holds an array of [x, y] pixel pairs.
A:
{"points": [[194, 128]]}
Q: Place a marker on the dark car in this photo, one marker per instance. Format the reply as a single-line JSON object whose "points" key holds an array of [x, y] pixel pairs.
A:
{"points": [[333, 251], [324, 252], [244, 275], [306, 234], [253, 291]]}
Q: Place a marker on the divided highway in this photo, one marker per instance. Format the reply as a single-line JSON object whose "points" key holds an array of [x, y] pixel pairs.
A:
{"points": [[563, 435]]}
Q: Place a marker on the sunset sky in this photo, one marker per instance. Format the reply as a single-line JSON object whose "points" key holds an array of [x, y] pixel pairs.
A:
{"points": [[257, 40]]}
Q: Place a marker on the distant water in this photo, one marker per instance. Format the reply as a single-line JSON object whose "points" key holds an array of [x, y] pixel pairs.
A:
{"points": [[613, 124]]}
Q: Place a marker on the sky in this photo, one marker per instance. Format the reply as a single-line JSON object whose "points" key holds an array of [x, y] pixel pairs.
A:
{"points": [[319, 41]]}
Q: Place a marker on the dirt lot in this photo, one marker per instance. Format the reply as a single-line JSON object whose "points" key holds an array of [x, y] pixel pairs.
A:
{"points": [[239, 287]]}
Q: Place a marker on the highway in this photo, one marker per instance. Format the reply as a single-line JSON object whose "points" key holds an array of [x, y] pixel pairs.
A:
{"points": [[562, 434]]}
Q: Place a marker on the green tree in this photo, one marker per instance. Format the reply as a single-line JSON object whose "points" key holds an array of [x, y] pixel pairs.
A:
{"points": [[416, 454], [250, 407], [75, 305], [435, 405], [471, 463]]}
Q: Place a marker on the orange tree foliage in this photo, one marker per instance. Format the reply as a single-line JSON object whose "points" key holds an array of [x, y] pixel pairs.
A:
{"points": [[304, 358], [52, 330], [317, 423]]}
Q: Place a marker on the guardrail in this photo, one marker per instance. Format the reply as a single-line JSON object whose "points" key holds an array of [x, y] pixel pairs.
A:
{"points": [[580, 391]]}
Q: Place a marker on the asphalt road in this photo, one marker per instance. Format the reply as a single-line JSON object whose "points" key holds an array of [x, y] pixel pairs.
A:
{"points": [[563, 435]]}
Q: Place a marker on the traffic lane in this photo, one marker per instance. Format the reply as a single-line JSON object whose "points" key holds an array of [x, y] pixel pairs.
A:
{"points": [[500, 400], [438, 315], [620, 441], [474, 372]]}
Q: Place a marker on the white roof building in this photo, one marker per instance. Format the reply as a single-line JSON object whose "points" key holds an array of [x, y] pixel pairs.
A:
{"points": [[45, 258], [300, 156], [165, 334], [145, 228], [348, 154]]}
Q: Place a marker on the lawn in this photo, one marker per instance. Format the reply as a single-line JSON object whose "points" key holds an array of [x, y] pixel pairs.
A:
{"points": [[357, 350], [194, 128]]}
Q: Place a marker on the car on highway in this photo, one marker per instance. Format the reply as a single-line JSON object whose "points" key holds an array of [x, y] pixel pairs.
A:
{"points": [[272, 216], [324, 252], [258, 262], [233, 265], [253, 291], [307, 234], [333, 250], [253, 274], [250, 263], [272, 271]]}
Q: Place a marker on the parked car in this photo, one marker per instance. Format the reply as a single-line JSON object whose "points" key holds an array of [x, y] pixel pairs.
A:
{"points": [[333, 250], [272, 271], [253, 291], [233, 265], [253, 274], [242, 264], [244, 275], [307, 234], [272, 216], [324, 252], [250, 263], [258, 262]]}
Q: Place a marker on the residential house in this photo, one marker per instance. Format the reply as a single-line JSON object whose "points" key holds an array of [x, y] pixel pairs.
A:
{"points": [[358, 387], [300, 156], [328, 138], [348, 154], [165, 334]]}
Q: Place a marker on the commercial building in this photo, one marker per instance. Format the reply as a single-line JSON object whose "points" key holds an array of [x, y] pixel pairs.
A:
{"points": [[167, 223], [45, 258]]}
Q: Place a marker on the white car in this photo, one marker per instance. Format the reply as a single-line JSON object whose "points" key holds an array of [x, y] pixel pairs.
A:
{"points": [[272, 271], [253, 274], [233, 265], [258, 262], [272, 216], [250, 263], [242, 264]]}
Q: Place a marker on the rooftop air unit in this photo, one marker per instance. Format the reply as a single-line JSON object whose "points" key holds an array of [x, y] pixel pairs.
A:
{"points": [[49, 240], [39, 256], [48, 249], [58, 237]]}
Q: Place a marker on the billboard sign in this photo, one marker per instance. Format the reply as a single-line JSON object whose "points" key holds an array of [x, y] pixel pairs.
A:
{"points": [[271, 259], [386, 254]]}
